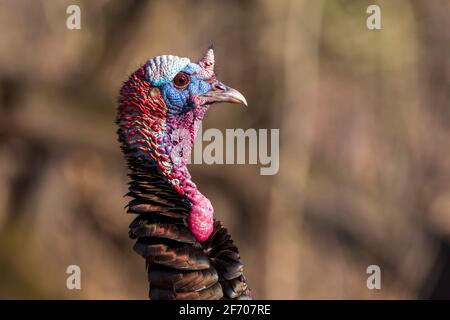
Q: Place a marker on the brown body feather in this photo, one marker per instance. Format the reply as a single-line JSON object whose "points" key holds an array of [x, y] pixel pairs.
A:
{"points": [[178, 266]]}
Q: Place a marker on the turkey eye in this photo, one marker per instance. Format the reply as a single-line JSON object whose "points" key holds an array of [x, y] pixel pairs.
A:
{"points": [[181, 80]]}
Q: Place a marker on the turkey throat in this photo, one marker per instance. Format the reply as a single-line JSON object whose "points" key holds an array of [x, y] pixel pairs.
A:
{"points": [[152, 135], [181, 131]]}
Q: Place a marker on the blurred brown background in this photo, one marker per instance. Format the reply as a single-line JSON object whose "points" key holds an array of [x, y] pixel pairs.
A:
{"points": [[364, 120]]}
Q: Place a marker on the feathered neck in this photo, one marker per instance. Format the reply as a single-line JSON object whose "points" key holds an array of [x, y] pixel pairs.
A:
{"points": [[148, 131]]}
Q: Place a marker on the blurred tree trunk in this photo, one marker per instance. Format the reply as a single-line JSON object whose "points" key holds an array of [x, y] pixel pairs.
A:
{"points": [[296, 25], [434, 72]]}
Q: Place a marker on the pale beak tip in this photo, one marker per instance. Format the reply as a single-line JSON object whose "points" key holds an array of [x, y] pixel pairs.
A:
{"points": [[244, 102], [240, 97]]}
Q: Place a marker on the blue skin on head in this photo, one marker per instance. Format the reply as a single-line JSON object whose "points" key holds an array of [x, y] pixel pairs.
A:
{"points": [[181, 100]]}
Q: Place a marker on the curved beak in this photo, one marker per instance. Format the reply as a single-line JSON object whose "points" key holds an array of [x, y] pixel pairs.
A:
{"points": [[222, 93]]}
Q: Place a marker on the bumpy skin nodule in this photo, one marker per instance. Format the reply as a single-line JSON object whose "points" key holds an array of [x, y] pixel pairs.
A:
{"points": [[188, 254]]}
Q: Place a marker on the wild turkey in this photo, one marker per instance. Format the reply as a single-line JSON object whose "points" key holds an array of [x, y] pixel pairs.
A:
{"points": [[188, 254]]}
